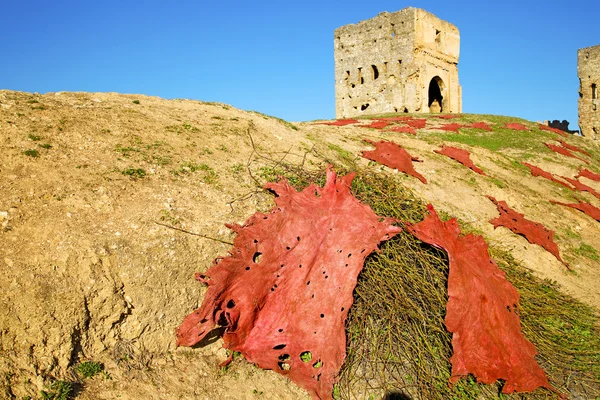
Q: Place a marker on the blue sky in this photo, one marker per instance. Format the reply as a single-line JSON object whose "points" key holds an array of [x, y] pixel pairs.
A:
{"points": [[518, 58]]}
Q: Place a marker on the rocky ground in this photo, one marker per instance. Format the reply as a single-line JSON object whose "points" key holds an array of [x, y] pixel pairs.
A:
{"points": [[89, 271]]}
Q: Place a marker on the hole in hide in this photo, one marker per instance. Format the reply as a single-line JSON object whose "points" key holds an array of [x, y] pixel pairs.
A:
{"points": [[288, 248], [284, 357], [230, 304], [280, 330], [318, 364], [508, 308], [298, 238], [300, 266], [342, 309], [247, 268], [349, 255], [256, 257], [306, 356], [284, 366], [279, 347], [307, 283], [326, 276], [322, 315], [255, 241]]}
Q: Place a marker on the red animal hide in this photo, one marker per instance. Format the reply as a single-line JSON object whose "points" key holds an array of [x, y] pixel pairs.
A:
{"points": [[285, 290], [517, 126], [460, 155], [534, 232], [403, 129], [582, 187], [537, 171], [376, 124], [555, 130], [586, 173], [482, 312], [563, 151], [481, 125], [339, 122], [417, 123], [587, 208], [452, 127], [573, 148], [393, 156]]}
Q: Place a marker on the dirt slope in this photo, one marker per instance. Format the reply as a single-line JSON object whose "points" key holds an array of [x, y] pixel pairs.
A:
{"points": [[88, 272]]}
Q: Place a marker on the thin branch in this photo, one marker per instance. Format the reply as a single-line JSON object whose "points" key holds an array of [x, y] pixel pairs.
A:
{"points": [[193, 233]]}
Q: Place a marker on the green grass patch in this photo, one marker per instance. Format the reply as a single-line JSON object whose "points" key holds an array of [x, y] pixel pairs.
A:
{"points": [[135, 173], [588, 251], [35, 138], [281, 121], [89, 369], [58, 390], [32, 153]]}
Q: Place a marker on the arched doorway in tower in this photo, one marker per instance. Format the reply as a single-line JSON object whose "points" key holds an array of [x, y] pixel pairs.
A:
{"points": [[435, 100]]}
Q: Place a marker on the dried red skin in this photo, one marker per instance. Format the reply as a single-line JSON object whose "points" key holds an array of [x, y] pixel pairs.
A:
{"points": [[417, 123], [460, 155], [393, 156], [481, 125], [555, 130], [537, 171], [403, 129], [586, 173], [582, 187], [376, 124], [573, 148], [563, 151], [339, 122], [587, 208], [482, 312], [312, 246], [517, 126], [452, 127], [534, 232]]}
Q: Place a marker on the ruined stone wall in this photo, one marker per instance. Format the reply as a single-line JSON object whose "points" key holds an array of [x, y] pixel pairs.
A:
{"points": [[588, 70], [386, 64]]}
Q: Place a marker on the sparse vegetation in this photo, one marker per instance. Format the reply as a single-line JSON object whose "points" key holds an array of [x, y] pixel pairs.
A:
{"points": [[32, 153], [46, 146], [58, 390], [135, 173], [136, 101], [35, 138], [89, 369]]}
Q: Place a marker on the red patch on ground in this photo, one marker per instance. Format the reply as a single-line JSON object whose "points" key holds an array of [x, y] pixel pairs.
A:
{"points": [[587, 208], [563, 151], [287, 286], [403, 129], [481, 125], [339, 122], [460, 155], [376, 124], [517, 126], [417, 123], [586, 173], [573, 148], [452, 127], [582, 187], [393, 156], [482, 312], [555, 130], [534, 232], [537, 171]]}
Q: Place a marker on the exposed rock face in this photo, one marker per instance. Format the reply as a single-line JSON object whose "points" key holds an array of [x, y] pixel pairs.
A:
{"points": [[588, 70], [395, 62]]}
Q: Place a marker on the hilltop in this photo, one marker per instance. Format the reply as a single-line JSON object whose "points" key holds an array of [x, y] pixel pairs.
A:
{"points": [[89, 270]]}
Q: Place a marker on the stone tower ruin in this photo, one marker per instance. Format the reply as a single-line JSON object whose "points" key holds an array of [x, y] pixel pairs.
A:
{"points": [[405, 61], [588, 70]]}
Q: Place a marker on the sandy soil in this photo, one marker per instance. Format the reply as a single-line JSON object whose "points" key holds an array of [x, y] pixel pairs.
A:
{"points": [[88, 273]]}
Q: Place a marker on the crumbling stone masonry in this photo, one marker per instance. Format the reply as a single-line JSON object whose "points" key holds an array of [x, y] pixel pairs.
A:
{"points": [[405, 61], [588, 70]]}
